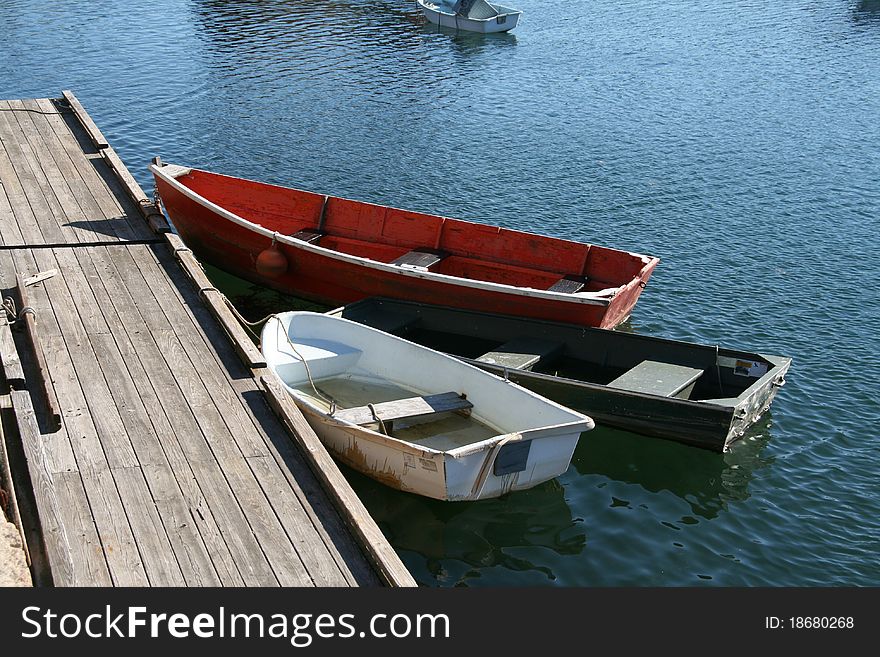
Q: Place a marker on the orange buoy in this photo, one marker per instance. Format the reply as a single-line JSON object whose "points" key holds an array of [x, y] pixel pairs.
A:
{"points": [[271, 262]]}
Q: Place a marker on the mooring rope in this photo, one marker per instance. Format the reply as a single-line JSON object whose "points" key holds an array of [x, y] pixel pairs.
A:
{"points": [[13, 315], [329, 400], [488, 462], [9, 307], [378, 419], [249, 326]]}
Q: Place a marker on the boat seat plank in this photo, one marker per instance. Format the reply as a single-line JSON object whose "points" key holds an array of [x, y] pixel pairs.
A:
{"points": [[655, 378], [420, 258], [308, 235], [568, 285], [522, 353], [401, 409]]}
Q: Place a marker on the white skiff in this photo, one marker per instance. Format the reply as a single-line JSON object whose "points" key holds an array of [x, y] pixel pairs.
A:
{"points": [[416, 419]]}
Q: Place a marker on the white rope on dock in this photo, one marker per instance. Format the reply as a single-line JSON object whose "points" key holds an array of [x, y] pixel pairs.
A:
{"points": [[249, 325]]}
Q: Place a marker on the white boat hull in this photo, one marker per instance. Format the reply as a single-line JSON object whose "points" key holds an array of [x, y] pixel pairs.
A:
{"points": [[502, 23], [469, 471], [440, 475]]}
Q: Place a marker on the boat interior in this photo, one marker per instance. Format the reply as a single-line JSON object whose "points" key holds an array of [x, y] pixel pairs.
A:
{"points": [[442, 427], [422, 241], [611, 358], [372, 379], [473, 9]]}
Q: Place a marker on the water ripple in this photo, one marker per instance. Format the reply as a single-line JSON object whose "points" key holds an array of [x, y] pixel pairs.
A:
{"points": [[737, 141]]}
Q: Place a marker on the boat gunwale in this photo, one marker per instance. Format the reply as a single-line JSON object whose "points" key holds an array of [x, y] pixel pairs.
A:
{"points": [[551, 431], [716, 402], [780, 365], [458, 452], [511, 12], [581, 298]]}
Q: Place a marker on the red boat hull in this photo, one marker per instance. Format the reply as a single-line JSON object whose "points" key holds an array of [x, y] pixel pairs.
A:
{"points": [[317, 275]]}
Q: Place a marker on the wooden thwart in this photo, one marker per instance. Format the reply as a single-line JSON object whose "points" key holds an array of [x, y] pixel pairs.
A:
{"points": [[308, 235], [522, 353], [655, 378], [420, 258], [401, 409], [568, 285]]}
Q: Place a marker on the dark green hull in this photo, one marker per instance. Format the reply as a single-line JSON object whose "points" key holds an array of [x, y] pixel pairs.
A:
{"points": [[725, 400]]}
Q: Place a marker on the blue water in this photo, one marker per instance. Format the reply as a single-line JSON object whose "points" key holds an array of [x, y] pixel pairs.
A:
{"points": [[738, 141]]}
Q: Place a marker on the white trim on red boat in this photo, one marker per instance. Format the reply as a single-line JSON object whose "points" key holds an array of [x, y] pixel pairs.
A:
{"points": [[599, 298]]}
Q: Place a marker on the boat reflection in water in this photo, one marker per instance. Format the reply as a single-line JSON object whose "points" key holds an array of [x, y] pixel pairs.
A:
{"points": [[477, 544], [629, 498], [707, 481]]}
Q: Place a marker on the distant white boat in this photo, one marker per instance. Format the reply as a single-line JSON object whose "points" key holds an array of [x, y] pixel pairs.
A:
{"points": [[470, 15], [413, 418]]}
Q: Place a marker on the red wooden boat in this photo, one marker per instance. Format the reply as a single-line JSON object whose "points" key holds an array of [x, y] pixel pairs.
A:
{"points": [[335, 251]]}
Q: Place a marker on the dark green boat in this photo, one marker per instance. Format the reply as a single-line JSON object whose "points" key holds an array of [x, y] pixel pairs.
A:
{"points": [[696, 394]]}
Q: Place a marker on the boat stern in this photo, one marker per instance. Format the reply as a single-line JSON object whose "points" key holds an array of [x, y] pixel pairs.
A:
{"points": [[511, 462], [751, 405]]}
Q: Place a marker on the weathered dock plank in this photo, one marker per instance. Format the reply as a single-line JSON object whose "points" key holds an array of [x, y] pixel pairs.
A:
{"points": [[353, 509], [308, 492], [26, 316], [26, 226], [62, 208], [9, 355], [88, 124], [243, 345], [314, 501], [61, 176], [95, 189], [153, 544], [110, 446], [169, 468], [156, 347], [54, 507], [11, 506], [56, 445], [188, 541], [114, 530], [10, 233], [181, 445], [41, 202], [87, 562]]}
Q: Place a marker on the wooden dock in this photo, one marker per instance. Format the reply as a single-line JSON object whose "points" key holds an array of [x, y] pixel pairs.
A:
{"points": [[147, 444]]}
